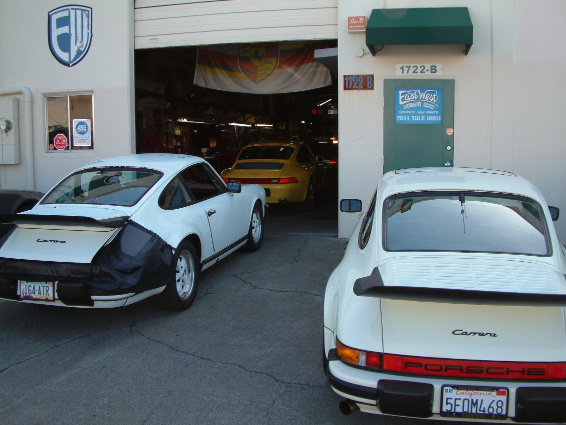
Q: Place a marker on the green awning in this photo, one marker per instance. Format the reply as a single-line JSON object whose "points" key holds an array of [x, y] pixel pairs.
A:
{"points": [[433, 25]]}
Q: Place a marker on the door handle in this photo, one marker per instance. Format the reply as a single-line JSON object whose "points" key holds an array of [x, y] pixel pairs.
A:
{"points": [[210, 212]]}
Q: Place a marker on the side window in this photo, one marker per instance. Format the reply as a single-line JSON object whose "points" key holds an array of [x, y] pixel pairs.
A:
{"points": [[175, 195], [367, 224], [69, 122], [201, 182]]}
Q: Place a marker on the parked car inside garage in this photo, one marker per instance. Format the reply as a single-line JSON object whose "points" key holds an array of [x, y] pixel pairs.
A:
{"points": [[122, 229], [450, 301], [288, 171]]}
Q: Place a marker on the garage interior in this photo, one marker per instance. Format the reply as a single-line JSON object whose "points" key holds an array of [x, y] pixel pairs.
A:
{"points": [[175, 115]]}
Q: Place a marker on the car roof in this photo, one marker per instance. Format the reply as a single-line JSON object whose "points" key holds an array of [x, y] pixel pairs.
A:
{"points": [[167, 163], [457, 178]]}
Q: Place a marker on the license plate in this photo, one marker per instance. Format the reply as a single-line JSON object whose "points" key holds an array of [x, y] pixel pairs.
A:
{"points": [[37, 291], [474, 402]]}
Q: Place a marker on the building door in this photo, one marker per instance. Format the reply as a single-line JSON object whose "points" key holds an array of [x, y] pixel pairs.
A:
{"points": [[418, 124]]}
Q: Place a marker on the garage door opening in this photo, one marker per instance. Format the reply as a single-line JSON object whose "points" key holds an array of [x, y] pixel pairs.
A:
{"points": [[173, 114]]}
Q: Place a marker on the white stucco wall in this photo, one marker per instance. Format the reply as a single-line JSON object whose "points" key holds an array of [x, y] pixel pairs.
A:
{"points": [[107, 71], [509, 95]]}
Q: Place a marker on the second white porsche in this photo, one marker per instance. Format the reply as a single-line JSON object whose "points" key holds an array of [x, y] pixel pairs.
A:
{"points": [[450, 301]]}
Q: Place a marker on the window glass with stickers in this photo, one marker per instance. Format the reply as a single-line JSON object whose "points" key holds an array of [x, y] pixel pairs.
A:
{"points": [[69, 122]]}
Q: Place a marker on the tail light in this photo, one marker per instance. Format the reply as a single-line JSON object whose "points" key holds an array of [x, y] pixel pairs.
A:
{"points": [[358, 357], [284, 180], [457, 368]]}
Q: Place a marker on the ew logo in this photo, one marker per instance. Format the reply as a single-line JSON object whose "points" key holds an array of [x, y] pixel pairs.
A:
{"points": [[70, 33]]}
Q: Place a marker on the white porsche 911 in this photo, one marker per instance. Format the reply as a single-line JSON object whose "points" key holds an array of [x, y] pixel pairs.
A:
{"points": [[450, 301], [122, 229]]}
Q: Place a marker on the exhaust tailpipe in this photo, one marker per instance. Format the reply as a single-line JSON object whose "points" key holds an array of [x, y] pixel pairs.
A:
{"points": [[347, 407]]}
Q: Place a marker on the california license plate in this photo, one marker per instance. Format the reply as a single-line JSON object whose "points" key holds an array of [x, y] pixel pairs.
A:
{"points": [[474, 402], [37, 291]]}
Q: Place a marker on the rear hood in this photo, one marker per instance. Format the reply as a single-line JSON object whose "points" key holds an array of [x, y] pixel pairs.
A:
{"points": [[65, 237], [478, 332], [258, 169], [466, 308]]}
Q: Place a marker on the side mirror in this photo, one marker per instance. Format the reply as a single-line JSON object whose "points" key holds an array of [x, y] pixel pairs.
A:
{"points": [[350, 205], [554, 213], [234, 187]]}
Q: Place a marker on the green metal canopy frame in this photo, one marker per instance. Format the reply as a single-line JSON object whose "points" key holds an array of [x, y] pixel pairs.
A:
{"points": [[434, 25]]}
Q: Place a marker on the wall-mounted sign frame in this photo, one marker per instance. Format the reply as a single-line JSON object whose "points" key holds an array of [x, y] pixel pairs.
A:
{"points": [[418, 105], [359, 82]]}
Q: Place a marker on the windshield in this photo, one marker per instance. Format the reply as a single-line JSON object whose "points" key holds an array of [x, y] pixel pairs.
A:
{"points": [[267, 152], [108, 186], [466, 222]]}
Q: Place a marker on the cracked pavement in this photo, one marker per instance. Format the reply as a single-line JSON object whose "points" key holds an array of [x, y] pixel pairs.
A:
{"points": [[247, 351]]}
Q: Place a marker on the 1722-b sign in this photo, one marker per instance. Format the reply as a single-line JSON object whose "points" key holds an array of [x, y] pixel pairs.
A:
{"points": [[358, 82]]}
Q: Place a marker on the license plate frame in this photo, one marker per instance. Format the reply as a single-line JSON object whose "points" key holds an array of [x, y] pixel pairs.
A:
{"points": [[36, 290], [474, 402]]}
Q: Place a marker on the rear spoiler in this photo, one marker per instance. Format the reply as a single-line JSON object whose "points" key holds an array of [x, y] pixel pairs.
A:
{"points": [[39, 219], [373, 286]]}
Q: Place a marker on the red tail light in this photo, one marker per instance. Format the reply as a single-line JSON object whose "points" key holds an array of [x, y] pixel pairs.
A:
{"points": [[455, 368], [251, 180], [474, 368]]}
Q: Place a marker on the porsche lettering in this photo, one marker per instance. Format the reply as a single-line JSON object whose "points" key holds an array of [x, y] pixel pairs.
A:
{"points": [[456, 369]]}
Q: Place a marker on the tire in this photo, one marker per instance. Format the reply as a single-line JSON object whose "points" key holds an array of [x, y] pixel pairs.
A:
{"points": [[255, 233], [182, 290], [308, 203]]}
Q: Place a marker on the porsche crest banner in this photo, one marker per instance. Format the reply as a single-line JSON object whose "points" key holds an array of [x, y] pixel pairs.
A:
{"points": [[261, 68]]}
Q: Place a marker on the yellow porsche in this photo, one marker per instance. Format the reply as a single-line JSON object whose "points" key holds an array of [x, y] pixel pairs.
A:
{"points": [[288, 171]]}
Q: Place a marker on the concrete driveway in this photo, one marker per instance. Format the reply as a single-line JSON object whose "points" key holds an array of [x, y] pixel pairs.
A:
{"points": [[247, 351]]}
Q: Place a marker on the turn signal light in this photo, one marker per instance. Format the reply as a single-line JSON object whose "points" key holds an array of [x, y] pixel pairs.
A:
{"points": [[358, 357]]}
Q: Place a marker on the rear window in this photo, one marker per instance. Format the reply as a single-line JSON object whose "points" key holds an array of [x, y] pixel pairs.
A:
{"points": [[464, 222], [267, 152], [107, 186]]}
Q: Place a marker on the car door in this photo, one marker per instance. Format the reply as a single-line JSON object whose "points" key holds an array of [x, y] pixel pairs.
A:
{"points": [[315, 166], [228, 213]]}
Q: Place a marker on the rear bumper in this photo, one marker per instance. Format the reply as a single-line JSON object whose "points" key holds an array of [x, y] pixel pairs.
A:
{"points": [[292, 192], [77, 294], [378, 393]]}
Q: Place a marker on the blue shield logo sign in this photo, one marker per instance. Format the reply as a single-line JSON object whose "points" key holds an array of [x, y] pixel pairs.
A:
{"points": [[70, 33]]}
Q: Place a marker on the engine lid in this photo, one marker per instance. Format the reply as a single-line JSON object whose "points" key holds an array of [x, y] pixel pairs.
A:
{"points": [[64, 237], [479, 332]]}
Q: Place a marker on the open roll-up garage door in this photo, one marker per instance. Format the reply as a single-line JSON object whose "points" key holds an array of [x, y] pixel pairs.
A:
{"points": [[213, 76], [164, 23]]}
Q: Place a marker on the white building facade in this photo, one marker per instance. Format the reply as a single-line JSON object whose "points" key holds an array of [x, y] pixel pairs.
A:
{"points": [[502, 103]]}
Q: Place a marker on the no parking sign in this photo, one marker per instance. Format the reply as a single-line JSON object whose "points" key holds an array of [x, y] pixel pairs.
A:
{"points": [[60, 142]]}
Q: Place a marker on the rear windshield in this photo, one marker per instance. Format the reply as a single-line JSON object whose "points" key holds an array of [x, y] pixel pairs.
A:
{"points": [[465, 222], [267, 152], [108, 186]]}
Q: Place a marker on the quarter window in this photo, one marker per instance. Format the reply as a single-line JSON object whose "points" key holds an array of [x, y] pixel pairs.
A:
{"points": [[69, 122], [367, 224]]}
